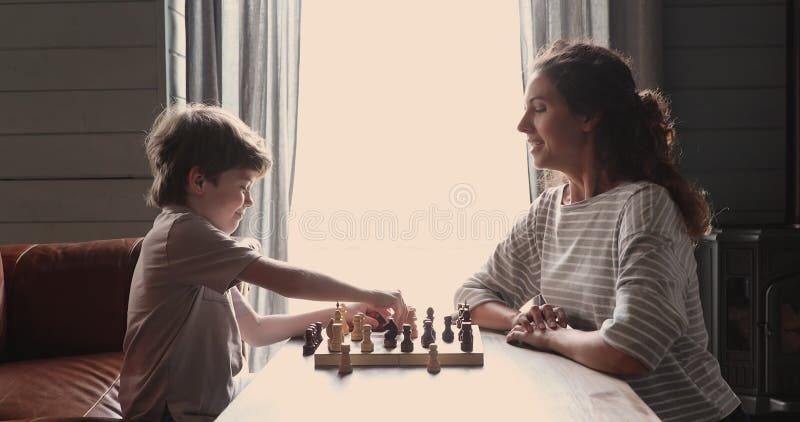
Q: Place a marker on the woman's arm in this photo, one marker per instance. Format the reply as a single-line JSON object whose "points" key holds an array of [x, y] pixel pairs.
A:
{"points": [[584, 347]]}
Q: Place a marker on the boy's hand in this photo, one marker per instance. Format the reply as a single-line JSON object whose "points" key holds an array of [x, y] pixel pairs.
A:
{"points": [[391, 299], [367, 310]]}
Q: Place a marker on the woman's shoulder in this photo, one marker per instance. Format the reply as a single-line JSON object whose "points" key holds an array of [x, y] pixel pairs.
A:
{"points": [[650, 207]]}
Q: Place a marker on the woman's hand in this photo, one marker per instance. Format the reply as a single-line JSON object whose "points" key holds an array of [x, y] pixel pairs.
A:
{"points": [[541, 317], [536, 338]]}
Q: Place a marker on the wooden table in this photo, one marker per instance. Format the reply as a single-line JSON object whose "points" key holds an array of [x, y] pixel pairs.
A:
{"points": [[513, 384]]}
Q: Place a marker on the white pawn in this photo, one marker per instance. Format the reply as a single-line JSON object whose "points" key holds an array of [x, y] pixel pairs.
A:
{"points": [[367, 346], [358, 326], [345, 325], [345, 367], [335, 342], [433, 359]]}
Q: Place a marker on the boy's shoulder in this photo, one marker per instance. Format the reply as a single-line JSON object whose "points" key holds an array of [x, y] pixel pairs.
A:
{"points": [[178, 228]]}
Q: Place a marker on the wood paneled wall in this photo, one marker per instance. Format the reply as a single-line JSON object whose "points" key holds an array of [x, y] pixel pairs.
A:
{"points": [[724, 70], [80, 83]]}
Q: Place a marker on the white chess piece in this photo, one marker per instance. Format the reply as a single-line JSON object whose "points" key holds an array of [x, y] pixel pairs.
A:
{"points": [[335, 342], [345, 367], [358, 326], [433, 359], [367, 346], [345, 326], [412, 319]]}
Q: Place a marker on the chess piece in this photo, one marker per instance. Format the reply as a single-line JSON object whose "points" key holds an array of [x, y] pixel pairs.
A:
{"points": [[412, 319], [318, 325], [427, 335], [329, 329], [390, 338], [313, 329], [407, 346], [377, 317], [335, 342], [345, 325], [345, 367], [429, 315], [339, 318], [433, 359], [460, 315], [447, 334], [367, 346], [466, 317], [358, 326], [309, 346], [466, 340]]}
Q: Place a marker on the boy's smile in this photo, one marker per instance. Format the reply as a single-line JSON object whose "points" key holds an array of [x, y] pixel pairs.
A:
{"points": [[222, 203]]}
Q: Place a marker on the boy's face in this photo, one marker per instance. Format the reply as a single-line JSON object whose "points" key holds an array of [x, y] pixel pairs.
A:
{"points": [[222, 203]]}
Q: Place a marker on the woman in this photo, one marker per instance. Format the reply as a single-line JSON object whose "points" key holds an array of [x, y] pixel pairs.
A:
{"points": [[613, 246]]}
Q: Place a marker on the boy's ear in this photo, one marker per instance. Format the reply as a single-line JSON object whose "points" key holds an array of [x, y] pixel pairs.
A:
{"points": [[196, 182]]}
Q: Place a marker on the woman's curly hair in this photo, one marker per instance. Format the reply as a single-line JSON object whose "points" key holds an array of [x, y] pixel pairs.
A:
{"points": [[635, 135]]}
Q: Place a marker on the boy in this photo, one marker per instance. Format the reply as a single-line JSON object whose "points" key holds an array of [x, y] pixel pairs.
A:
{"points": [[183, 354]]}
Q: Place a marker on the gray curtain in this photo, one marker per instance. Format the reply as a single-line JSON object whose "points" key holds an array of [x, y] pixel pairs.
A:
{"points": [[630, 26], [245, 56]]}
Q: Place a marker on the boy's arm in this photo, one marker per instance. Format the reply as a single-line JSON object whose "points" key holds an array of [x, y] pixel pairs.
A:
{"points": [[290, 281], [261, 330]]}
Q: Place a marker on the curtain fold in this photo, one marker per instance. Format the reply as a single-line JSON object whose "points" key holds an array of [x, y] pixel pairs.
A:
{"points": [[244, 55], [630, 26]]}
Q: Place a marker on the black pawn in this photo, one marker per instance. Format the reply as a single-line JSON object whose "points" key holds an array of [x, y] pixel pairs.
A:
{"points": [[319, 338], [407, 345], [309, 347], [466, 342], [447, 334], [467, 316], [390, 338], [427, 335], [313, 329]]}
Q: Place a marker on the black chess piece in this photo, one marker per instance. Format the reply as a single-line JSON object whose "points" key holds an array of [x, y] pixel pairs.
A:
{"points": [[447, 334], [309, 347], [460, 315], [466, 342], [390, 338], [429, 314], [467, 316], [407, 345], [427, 335], [313, 329], [319, 338]]}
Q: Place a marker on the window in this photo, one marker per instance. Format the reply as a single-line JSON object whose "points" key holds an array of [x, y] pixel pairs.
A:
{"points": [[409, 167]]}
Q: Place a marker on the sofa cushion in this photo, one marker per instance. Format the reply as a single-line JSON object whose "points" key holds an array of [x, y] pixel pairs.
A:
{"points": [[67, 299], [61, 387]]}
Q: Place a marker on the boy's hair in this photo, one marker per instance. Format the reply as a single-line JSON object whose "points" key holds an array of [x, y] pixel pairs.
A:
{"points": [[184, 136]]}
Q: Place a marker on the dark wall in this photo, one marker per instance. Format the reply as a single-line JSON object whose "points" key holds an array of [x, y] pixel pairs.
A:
{"points": [[724, 70]]}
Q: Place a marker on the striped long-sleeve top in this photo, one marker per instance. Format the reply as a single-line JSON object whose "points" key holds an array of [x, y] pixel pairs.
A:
{"points": [[620, 263]]}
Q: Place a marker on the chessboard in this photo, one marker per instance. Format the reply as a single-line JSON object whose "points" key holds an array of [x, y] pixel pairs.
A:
{"points": [[450, 354]]}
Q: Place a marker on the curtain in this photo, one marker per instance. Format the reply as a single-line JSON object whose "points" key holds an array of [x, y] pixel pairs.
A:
{"points": [[630, 26], [244, 55]]}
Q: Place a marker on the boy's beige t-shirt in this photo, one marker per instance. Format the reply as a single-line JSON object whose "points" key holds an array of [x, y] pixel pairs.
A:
{"points": [[182, 347]]}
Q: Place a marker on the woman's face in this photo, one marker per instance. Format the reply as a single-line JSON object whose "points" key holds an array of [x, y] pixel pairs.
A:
{"points": [[557, 136]]}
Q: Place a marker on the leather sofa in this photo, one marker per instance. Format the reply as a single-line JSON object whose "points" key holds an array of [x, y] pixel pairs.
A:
{"points": [[63, 312]]}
